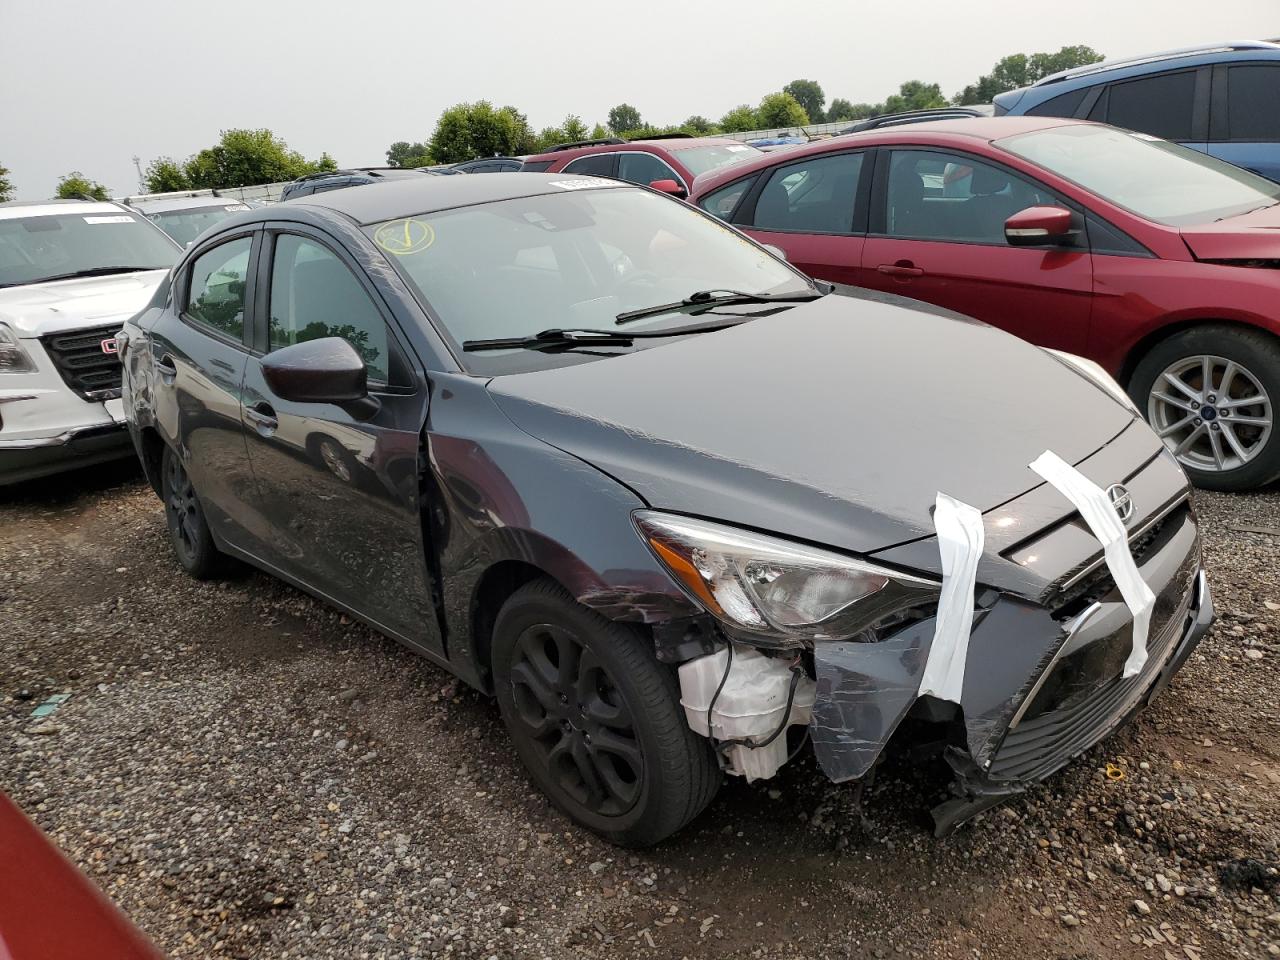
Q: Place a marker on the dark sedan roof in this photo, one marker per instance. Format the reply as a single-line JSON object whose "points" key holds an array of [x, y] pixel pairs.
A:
{"points": [[398, 198]]}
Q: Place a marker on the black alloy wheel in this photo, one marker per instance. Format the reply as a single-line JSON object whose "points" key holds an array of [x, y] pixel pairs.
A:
{"points": [[188, 532], [596, 719]]}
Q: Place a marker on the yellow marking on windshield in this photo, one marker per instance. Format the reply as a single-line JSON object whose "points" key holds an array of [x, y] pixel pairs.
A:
{"points": [[403, 237]]}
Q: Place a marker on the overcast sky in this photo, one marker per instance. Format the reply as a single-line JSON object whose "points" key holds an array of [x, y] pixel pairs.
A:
{"points": [[163, 77]]}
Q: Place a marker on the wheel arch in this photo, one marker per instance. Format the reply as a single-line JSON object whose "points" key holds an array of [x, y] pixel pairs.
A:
{"points": [[1153, 338], [494, 587], [151, 451]]}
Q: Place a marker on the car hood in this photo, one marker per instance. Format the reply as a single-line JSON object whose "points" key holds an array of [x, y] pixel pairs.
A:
{"points": [[37, 309], [835, 422], [1251, 236]]}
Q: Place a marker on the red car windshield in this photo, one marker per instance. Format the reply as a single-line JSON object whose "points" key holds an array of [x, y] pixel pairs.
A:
{"points": [[701, 159], [1155, 179]]}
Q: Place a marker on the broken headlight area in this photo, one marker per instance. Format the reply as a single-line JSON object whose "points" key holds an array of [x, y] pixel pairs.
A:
{"points": [[774, 593]]}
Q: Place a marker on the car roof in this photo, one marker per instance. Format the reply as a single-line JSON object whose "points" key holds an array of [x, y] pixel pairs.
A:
{"points": [[1126, 68], [44, 208], [165, 204], [938, 132], [659, 145], [402, 198]]}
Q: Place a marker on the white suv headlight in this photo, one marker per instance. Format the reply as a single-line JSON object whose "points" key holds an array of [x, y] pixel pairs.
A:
{"points": [[1094, 372], [774, 592], [13, 359]]}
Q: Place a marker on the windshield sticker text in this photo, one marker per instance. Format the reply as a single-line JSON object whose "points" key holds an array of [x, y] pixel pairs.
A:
{"points": [[403, 237]]}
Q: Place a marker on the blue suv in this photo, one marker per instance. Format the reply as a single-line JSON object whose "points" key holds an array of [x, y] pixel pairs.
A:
{"points": [[1223, 99]]}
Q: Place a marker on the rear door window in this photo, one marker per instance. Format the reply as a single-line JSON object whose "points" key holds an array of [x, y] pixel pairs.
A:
{"points": [[815, 195], [1253, 102], [216, 288], [593, 164], [1160, 105]]}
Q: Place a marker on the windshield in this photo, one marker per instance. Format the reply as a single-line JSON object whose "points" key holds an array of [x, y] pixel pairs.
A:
{"points": [[1155, 179], [701, 159], [185, 225], [34, 249], [576, 258]]}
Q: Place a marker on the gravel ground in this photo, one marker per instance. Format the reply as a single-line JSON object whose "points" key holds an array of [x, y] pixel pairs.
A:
{"points": [[248, 774]]}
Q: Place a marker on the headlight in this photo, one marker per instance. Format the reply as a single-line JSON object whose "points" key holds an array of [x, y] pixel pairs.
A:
{"points": [[774, 592], [13, 359], [1094, 372]]}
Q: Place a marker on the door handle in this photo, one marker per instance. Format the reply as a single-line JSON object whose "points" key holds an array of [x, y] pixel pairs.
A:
{"points": [[167, 367], [263, 418], [903, 268]]}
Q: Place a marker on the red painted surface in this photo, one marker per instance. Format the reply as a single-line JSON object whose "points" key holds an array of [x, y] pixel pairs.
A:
{"points": [[1107, 308], [49, 910]]}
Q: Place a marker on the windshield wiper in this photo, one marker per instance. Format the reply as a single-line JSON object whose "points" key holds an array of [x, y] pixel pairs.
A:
{"points": [[710, 298], [93, 272], [566, 339]]}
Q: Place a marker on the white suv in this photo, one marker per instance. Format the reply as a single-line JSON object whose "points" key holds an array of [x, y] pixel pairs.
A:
{"points": [[71, 273]]}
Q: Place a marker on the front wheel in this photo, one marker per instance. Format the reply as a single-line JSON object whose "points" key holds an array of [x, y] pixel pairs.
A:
{"points": [[597, 720], [1209, 394]]}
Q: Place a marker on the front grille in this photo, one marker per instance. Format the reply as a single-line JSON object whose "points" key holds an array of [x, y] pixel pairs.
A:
{"points": [[1041, 743], [80, 360], [1067, 602]]}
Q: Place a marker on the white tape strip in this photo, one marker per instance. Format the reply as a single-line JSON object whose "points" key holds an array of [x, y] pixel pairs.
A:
{"points": [[960, 541], [1094, 505]]}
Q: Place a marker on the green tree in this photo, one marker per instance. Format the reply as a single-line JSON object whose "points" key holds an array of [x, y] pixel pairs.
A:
{"points": [[914, 95], [6, 185], [840, 109], [525, 139], [326, 163], [575, 129], [810, 96], [1021, 70], [76, 186], [624, 117], [402, 153], [601, 132], [740, 118], [246, 158], [780, 110], [699, 126], [469, 130], [164, 174]]}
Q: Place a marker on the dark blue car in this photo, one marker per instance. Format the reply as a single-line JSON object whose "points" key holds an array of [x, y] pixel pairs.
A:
{"points": [[1222, 99]]}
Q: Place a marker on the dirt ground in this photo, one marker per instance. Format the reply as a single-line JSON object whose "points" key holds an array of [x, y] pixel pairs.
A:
{"points": [[250, 775]]}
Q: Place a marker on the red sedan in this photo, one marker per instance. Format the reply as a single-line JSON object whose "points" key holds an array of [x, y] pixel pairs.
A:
{"points": [[1156, 261]]}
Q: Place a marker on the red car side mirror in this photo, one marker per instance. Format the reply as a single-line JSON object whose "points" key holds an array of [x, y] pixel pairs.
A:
{"points": [[1037, 226], [670, 187]]}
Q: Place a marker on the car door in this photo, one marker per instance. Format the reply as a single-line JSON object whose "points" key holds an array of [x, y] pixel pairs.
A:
{"points": [[340, 484], [937, 235], [1244, 116], [810, 210], [199, 350]]}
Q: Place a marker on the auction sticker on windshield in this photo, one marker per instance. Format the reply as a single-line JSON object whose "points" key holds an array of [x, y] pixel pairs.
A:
{"points": [[113, 219], [583, 183], [403, 237]]}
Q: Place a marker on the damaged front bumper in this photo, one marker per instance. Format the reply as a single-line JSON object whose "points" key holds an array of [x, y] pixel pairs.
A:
{"points": [[1041, 688]]}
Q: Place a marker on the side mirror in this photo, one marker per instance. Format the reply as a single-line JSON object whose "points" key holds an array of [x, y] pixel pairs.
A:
{"points": [[776, 251], [327, 370], [670, 187], [1038, 226]]}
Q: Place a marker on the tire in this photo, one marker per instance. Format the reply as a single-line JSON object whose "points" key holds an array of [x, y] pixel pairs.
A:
{"points": [[658, 775], [189, 533], [1236, 444]]}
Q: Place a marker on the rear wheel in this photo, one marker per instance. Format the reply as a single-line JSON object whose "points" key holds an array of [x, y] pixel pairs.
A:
{"points": [[597, 720], [188, 532], [1210, 394]]}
